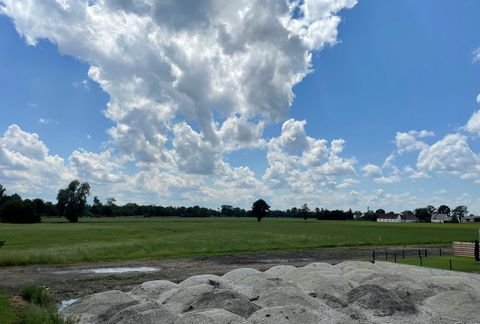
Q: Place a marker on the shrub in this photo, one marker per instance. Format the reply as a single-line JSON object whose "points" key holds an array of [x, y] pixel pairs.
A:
{"points": [[39, 296], [42, 307], [17, 211]]}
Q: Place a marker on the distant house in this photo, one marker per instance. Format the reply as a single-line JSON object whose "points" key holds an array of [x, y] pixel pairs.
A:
{"points": [[470, 219], [409, 219], [389, 218], [440, 218]]}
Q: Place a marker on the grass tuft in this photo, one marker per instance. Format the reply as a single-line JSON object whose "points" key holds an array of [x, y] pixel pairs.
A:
{"points": [[39, 296]]}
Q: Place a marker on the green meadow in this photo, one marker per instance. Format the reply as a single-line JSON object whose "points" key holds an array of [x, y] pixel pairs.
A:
{"points": [[8, 313], [458, 263], [54, 241]]}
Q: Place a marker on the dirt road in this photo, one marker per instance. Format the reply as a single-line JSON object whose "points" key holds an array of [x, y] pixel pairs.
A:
{"points": [[74, 281]]}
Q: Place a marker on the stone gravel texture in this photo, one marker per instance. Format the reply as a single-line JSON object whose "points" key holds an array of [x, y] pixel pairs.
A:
{"points": [[348, 292]]}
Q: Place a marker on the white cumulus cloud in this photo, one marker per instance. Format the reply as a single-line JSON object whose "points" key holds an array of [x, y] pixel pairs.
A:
{"points": [[26, 164], [409, 141], [476, 55], [99, 168], [305, 164], [372, 170], [388, 180], [452, 154], [473, 124]]}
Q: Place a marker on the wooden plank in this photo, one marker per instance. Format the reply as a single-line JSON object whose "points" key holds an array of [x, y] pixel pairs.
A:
{"points": [[465, 249]]}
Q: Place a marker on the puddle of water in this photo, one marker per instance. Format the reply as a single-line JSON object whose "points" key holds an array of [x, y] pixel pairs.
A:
{"points": [[65, 303], [273, 261], [282, 260], [124, 270], [108, 270]]}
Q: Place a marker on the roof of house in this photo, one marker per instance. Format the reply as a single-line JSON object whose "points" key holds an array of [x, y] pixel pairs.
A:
{"points": [[388, 216], [409, 217], [440, 216]]}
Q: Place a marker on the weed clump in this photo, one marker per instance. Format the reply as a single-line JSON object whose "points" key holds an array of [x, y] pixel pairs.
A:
{"points": [[39, 296], [41, 307]]}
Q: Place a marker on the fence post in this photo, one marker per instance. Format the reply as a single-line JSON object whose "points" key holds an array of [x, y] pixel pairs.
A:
{"points": [[421, 263], [419, 255], [450, 264], [403, 254], [373, 256], [395, 257], [386, 255], [477, 251], [440, 251], [425, 252]]}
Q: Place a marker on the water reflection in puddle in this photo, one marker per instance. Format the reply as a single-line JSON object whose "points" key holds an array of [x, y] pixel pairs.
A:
{"points": [[119, 270], [282, 261], [65, 303]]}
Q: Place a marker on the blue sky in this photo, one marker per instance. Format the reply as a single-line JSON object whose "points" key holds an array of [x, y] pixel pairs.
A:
{"points": [[166, 110], [38, 82]]}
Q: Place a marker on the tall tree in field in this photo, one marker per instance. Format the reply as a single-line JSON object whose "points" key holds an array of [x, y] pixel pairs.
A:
{"points": [[423, 215], [72, 200], [459, 212], [305, 211], [260, 209], [444, 209]]}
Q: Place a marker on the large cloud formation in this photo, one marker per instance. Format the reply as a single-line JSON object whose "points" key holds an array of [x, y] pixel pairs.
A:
{"points": [[187, 81], [191, 82]]}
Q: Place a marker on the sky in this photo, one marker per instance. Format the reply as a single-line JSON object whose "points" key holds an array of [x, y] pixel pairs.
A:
{"points": [[335, 103]]}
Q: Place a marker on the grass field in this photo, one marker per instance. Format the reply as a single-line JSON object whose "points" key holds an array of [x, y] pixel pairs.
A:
{"points": [[8, 313], [56, 242], [458, 263]]}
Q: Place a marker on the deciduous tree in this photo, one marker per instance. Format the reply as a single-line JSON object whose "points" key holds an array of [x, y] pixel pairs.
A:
{"points": [[423, 215], [260, 209], [459, 212], [72, 200], [444, 209], [305, 211]]}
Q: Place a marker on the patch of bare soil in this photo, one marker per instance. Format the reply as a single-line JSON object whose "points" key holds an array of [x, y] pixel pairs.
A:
{"points": [[74, 281], [18, 302]]}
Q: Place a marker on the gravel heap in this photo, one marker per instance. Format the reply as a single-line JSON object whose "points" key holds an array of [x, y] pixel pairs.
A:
{"points": [[348, 292]]}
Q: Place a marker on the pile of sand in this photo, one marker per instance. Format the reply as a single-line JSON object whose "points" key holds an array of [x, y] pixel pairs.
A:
{"points": [[349, 292]]}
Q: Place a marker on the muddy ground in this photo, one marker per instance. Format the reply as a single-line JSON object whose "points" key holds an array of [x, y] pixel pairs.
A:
{"points": [[71, 282]]}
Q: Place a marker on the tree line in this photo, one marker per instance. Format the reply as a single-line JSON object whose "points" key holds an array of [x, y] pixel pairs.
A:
{"points": [[72, 204], [14, 209]]}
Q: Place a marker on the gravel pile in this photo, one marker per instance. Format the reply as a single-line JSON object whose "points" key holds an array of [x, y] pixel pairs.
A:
{"points": [[348, 292]]}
